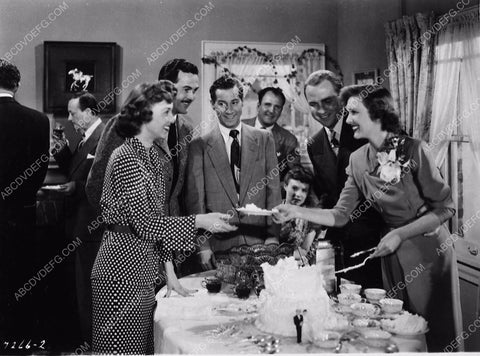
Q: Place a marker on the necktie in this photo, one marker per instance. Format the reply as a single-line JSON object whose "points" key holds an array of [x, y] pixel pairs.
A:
{"points": [[334, 142], [81, 142], [172, 142], [235, 158]]}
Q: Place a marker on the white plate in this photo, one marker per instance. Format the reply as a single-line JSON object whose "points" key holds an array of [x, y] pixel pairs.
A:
{"points": [[262, 212], [404, 334], [52, 187]]}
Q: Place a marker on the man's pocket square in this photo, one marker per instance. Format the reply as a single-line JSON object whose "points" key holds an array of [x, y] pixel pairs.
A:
{"points": [[89, 156]]}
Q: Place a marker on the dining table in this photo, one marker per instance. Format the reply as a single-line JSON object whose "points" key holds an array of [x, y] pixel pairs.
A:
{"points": [[221, 323]]}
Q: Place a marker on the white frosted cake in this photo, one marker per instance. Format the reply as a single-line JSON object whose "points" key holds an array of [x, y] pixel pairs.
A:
{"points": [[288, 288]]}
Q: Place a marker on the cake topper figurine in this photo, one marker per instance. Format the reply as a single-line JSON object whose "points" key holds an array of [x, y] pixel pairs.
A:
{"points": [[298, 321]]}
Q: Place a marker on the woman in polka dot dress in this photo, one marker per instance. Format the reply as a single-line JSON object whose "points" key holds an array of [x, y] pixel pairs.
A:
{"points": [[139, 236]]}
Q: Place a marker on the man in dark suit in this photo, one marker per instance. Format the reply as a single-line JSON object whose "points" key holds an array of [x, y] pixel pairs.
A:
{"points": [[24, 156], [232, 166], [270, 105], [329, 151], [298, 321], [81, 220], [173, 153]]}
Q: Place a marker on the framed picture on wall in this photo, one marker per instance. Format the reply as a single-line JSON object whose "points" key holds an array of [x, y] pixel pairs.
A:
{"points": [[71, 67], [365, 77]]}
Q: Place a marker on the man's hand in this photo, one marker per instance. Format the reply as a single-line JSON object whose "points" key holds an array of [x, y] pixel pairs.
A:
{"points": [[207, 259], [67, 188]]}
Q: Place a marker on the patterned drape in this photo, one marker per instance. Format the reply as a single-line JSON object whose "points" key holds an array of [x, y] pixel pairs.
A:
{"points": [[410, 51]]}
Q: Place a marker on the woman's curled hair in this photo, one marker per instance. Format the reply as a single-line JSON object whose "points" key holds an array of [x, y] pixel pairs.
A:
{"points": [[378, 102], [138, 111]]}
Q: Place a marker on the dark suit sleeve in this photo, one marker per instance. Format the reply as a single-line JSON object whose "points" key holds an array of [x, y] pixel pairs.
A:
{"points": [[43, 146], [293, 158], [107, 144], [274, 196], [63, 158], [195, 184], [318, 186]]}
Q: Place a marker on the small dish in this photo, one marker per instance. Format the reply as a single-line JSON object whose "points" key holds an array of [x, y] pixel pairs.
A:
{"points": [[376, 338], [350, 288], [349, 298], [391, 306], [342, 309], [260, 212], [365, 309], [403, 334], [366, 324], [373, 295], [327, 339]]}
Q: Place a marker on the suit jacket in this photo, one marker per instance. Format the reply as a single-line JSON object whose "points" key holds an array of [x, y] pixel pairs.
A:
{"points": [[286, 147], [24, 154], [330, 177], [76, 165], [211, 188], [110, 140]]}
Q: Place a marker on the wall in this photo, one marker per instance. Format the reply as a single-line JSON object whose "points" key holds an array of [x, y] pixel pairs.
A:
{"points": [[140, 26], [361, 34]]}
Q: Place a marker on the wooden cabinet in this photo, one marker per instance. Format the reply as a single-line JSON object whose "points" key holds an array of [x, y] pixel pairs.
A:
{"points": [[468, 255]]}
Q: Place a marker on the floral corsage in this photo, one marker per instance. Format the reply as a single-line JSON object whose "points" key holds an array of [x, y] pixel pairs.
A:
{"points": [[392, 161]]}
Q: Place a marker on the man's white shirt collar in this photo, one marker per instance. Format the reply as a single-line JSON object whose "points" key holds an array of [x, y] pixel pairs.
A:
{"points": [[258, 125], [92, 128], [337, 129], [226, 135], [6, 95]]}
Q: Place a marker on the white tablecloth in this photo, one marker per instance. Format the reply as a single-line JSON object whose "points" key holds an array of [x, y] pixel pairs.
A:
{"points": [[221, 323]]}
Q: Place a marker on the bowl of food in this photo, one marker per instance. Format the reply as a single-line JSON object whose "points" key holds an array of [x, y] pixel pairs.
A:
{"points": [[365, 324], [376, 338], [349, 298], [373, 295], [406, 325], [365, 309], [391, 305], [350, 288], [327, 339]]}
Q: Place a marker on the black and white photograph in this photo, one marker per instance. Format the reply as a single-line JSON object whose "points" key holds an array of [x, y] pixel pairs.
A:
{"points": [[239, 177]]}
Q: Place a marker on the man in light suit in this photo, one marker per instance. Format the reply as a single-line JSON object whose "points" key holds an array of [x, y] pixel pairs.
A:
{"points": [[229, 167], [81, 220], [24, 156], [270, 106], [329, 151]]}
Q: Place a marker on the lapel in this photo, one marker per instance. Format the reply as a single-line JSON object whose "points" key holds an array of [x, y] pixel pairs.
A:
{"points": [[249, 122], [249, 154], [326, 157], [88, 147], [218, 156], [182, 132]]}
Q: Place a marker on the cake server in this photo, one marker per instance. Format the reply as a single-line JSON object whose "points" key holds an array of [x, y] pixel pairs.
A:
{"points": [[356, 254], [356, 266]]}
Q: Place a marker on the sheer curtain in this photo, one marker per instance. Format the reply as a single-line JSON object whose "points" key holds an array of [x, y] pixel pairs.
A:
{"points": [[410, 59], [456, 99]]}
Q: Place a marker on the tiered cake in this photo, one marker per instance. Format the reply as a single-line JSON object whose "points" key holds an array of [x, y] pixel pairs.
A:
{"points": [[288, 288]]}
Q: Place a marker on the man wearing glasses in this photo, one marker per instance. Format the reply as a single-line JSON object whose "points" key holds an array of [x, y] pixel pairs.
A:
{"points": [[329, 150]]}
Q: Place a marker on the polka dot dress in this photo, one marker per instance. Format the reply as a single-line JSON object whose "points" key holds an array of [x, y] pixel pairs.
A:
{"points": [[128, 263]]}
